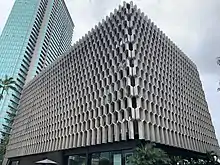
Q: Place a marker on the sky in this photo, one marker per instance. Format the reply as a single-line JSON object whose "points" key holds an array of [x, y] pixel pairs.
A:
{"points": [[193, 25]]}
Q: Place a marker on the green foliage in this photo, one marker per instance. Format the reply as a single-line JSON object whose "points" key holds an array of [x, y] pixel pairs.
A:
{"points": [[149, 155], [5, 85], [175, 160], [3, 145], [218, 62], [211, 158]]}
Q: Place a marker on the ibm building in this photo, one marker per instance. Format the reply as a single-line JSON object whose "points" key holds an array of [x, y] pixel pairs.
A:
{"points": [[122, 82]]}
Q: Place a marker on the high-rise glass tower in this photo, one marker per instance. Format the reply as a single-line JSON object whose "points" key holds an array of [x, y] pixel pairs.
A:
{"points": [[35, 34]]}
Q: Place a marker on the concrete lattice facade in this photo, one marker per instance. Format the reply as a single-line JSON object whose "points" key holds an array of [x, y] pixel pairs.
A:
{"points": [[123, 80]]}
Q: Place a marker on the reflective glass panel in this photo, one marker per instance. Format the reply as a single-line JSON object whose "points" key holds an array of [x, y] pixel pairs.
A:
{"points": [[77, 160], [117, 159]]}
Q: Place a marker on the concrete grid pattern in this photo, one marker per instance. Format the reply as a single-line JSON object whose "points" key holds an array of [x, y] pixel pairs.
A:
{"points": [[123, 80]]}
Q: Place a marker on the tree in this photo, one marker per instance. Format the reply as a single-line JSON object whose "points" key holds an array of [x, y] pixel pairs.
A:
{"points": [[3, 145], [176, 160], [149, 155], [5, 85], [218, 62], [211, 158], [195, 161]]}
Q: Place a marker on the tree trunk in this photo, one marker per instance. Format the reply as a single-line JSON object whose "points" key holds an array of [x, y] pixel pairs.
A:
{"points": [[2, 91]]}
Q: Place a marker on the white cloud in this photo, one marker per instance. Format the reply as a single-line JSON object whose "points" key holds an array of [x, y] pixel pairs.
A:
{"points": [[5, 8]]}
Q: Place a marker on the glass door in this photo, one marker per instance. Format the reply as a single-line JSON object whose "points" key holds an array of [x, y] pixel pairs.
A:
{"points": [[77, 160], [117, 159], [126, 158]]}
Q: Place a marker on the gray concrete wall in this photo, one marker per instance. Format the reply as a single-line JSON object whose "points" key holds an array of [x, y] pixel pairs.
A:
{"points": [[123, 80]]}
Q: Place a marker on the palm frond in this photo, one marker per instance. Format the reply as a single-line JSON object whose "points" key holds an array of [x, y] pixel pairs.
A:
{"points": [[6, 84], [218, 60], [5, 89], [9, 82], [10, 78], [5, 81], [12, 81], [148, 154]]}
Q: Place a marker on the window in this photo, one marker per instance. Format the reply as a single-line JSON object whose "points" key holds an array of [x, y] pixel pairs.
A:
{"points": [[110, 158], [103, 158], [117, 159], [95, 159], [77, 160], [126, 158], [15, 163]]}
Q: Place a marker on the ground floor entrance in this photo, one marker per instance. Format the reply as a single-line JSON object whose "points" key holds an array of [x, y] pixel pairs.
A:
{"points": [[105, 154], [102, 158], [117, 153]]}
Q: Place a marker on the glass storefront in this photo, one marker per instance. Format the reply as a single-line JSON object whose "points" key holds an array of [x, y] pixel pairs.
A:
{"points": [[102, 158], [117, 159], [126, 157], [77, 160], [15, 163]]}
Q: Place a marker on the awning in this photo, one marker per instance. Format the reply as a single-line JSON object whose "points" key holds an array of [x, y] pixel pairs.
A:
{"points": [[46, 161]]}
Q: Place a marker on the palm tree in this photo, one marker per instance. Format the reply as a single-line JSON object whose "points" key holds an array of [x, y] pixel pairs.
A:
{"points": [[149, 155], [176, 160], [218, 62], [6, 84], [3, 145]]}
